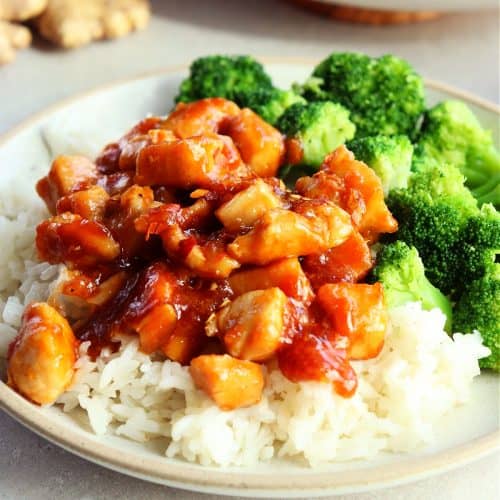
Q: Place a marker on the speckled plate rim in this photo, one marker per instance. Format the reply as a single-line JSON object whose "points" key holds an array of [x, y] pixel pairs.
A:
{"points": [[240, 482]]}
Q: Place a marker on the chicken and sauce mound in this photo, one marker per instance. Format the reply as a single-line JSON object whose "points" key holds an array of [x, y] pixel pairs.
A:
{"points": [[181, 233]]}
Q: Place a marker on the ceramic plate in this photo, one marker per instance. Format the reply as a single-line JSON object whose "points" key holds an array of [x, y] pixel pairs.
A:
{"points": [[416, 5], [469, 433]]}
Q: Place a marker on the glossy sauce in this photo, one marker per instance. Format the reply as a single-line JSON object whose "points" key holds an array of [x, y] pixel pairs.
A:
{"points": [[158, 253]]}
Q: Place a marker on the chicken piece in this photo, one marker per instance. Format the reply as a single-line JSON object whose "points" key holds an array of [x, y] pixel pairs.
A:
{"points": [[77, 295], [281, 233], [199, 117], [311, 356], [231, 383], [149, 310], [348, 262], [75, 241], [136, 200], [252, 325], [327, 220], [156, 327], [363, 195], [247, 206], [286, 274], [261, 146], [208, 259], [133, 203], [160, 218], [73, 23], [131, 145], [67, 175], [357, 311], [13, 37], [42, 357], [181, 231], [108, 160], [210, 161], [90, 204], [321, 186]]}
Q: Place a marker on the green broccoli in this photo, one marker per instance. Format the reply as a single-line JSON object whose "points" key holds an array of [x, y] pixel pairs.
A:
{"points": [[389, 156], [319, 127], [434, 229], [432, 214], [269, 103], [480, 244], [442, 182], [479, 309], [384, 95], [222, 76], [401, 272], [450, 133]]}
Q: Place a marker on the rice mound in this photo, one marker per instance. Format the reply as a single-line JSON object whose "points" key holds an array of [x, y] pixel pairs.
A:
{"points": [[420, 375]]}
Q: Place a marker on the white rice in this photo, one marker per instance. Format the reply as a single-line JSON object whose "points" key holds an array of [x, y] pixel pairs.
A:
{"points": [[420, 375]]}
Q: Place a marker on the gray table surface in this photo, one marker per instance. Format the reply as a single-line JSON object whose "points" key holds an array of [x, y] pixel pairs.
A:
{"points": [[462, 50]]}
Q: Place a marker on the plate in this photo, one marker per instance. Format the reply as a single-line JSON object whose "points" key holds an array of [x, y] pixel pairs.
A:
{"points": [[418, 5], [466, 435]]}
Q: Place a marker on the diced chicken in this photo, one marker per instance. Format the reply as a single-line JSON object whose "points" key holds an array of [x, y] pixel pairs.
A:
{"points": [[211, 260], [136, 200], [286, 274], [208, 161], [122, 216], [252, 326], [130, 147], [321, 186], [347, 262], [76, 295], [67, 175], [247, 206], [122, 154], [156, 327], [41, 359], [199, 117], [75, 241], [363, 195], [149, 310], [261, 146], [231, 383], [90, 204], [357, 311], [208, 259], [281, 233], [327, 220], [185, 341]]}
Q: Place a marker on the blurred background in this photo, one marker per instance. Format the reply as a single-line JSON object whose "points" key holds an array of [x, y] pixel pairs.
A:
{"points": [[460, 47]]}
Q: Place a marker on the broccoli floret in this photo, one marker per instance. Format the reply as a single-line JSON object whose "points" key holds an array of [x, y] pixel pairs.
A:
{"points": [[441, 182], [432, 213], [434, 228], [269, 103], [451, 133], [479, 309], [384, 95], [401, 272], [389, 156], [222, 76], [319, 127], [480, 244]]}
